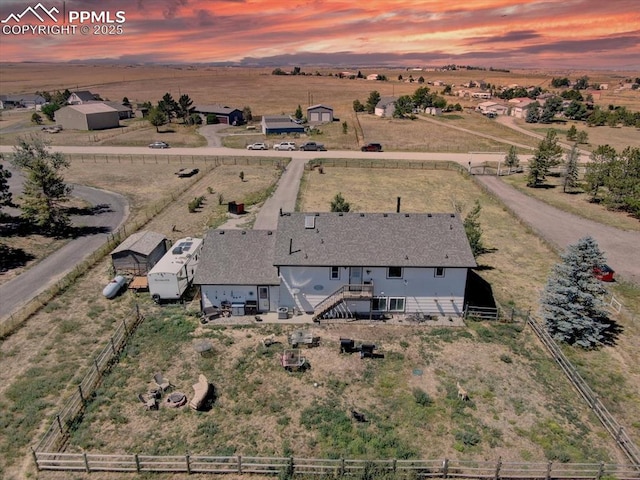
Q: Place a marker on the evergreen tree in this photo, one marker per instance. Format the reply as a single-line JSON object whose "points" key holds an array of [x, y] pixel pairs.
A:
{"points": [[44, 190], [168, 106], [571, 171], [547, 155], [184, 107], [246, 114], [358, 106], [339, 204], [511, 160], [597, 169], [473, 230], [572, 304], [157, 118], [533, 113], [5, 193], [572, 133], [582, 137], [298, 113], [372, 101], [404, 107]]}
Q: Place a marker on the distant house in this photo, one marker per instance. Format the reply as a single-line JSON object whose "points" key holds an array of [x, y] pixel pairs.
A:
{"points": [[24, 100], [490, 107], [481, 95], [372, 76], [436, 111], [89, 116], [237, 267], [341, 265], [81, 97], [385, 107], [519, 106], [319, 114], [225, 114], [139, 253], [124, 112], [276, 124]]}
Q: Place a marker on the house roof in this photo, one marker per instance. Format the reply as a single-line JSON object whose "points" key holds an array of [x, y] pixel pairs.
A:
{"points": [[23, 97], [215, 108], [118, 106], [313, 107], [237, 257], [143, 242], [93, 107], [280, 121], [372, 239], [85, 95], [384, 101]]}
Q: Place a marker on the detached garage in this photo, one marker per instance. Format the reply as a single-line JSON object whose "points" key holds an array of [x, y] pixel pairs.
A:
{"points": [[139, 253], [319, 114], [89, 116]]}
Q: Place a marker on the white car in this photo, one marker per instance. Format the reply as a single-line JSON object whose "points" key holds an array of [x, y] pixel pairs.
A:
{"points": [[159, 144], [257, 146], [285, 146]]}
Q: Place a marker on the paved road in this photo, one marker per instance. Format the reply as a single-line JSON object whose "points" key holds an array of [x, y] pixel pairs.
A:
{"points": [[622, 248], [35, 280]]}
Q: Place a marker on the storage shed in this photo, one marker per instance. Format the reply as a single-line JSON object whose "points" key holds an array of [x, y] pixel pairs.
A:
{"points": [[139, 253], [319, 114]]}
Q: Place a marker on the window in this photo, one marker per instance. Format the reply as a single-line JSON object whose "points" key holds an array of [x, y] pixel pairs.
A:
{"points": [[394, 272], [396, 304], [335, 273], [439, 272], [379, 304]]}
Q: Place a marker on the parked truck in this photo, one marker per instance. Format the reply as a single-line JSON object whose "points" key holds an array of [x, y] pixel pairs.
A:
{"points": [[312, 147], [172, 275]]}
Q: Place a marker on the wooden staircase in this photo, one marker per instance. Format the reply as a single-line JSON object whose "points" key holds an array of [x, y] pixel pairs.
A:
{"points": [[335, 306]]}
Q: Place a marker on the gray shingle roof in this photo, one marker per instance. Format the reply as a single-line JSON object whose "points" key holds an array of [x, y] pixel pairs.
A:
{"points": [[215, 108], [373, 239], [143, 242], [237, 257], [280, 121], [85, 95]]}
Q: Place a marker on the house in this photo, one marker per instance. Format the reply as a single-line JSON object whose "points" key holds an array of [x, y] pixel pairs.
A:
{"points": [[385, 107], [372, 76], [435, 111], [276, 124], [139, 253], [519, 106], [237, 268], [319, 114], [481, 95], [82, 97], [124, 112], [88, 116], [225, 114], [490, 107], [341, 264], [23, 100]]}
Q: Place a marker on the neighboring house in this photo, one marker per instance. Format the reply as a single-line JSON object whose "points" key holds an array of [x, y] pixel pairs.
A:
{"points": [[90, 116], [481, 95], [81, 97], [276, 124], [319, 114], [139, 253], [492, 107], [372, 76], [385, 107], [227, 115], [436, 111], [24, 100], [237, 267], [519, 106]]}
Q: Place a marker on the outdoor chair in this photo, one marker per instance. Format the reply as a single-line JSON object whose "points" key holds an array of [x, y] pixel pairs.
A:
{"points": [[162, 382]]}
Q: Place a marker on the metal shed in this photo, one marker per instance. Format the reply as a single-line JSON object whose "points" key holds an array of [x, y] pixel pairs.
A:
{"points": [[139, 252]]}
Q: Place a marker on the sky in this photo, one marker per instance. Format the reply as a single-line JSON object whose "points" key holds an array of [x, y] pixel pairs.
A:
{"points": [[550, 34]]}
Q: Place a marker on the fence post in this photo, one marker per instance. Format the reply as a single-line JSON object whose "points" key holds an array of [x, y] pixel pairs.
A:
{"points": [[445, 468], [549, 471], [342, 472], [80, 392], [35, 458], [186, 457], [113, 347], [395, 465], [240, 464], [95, 363], [135, 456], [498, 467], [86, 462], [59, 423], [600, 471]]}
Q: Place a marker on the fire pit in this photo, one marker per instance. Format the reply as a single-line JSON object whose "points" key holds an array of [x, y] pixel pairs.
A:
{"points": [[176, 399]]}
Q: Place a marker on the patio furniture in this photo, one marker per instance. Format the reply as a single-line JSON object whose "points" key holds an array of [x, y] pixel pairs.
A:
{"points": [[162, 382]]}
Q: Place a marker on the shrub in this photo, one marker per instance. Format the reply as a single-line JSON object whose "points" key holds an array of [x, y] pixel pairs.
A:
{"points": [[422, 397]]}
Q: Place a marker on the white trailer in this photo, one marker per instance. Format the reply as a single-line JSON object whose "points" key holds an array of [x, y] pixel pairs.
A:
{"points": [[172, 275]]}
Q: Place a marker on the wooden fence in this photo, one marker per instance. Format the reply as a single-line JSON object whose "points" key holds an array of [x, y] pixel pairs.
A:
{"points": [[56, 436], [331, 468], [160, 159], [610, 424], [386, 163]]}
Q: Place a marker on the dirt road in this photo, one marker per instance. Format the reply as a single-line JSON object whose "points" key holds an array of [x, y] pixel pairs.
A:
{"points": [[559, 228]]}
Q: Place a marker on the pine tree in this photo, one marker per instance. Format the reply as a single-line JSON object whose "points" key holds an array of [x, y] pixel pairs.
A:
{"points": [[339, 204], [298, 113], [473, 230], [511, 160], [547, 155], [5, 193], [44, 189], [572, 304], [571, 172], [572, 133]]}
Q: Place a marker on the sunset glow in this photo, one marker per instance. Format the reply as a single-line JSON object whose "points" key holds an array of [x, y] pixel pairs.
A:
{"points": [[501, 33]]}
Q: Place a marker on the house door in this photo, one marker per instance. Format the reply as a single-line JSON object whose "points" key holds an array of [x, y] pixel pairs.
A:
{"points": [[263, 299], [355, 279]]}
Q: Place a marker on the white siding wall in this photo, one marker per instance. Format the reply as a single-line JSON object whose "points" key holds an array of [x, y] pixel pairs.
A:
{"points": [[216, 294], [421, 289]]}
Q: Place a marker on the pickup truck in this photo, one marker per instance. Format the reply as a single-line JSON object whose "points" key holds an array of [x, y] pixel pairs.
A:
{"points": [[312, 147]]}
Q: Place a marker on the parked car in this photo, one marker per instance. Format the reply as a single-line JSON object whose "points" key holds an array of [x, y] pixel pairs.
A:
{"points": [[372, 147], [159, 145], [312, 147], [257, 146], [285, 146]]}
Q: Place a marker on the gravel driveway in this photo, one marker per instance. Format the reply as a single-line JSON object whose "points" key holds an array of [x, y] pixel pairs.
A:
{"points": [[622, 248]]}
